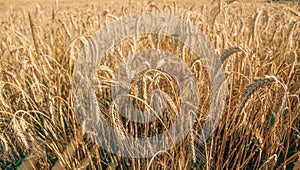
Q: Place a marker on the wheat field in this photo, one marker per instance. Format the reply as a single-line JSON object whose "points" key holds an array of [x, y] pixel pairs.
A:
{"points": [[258, 44]]}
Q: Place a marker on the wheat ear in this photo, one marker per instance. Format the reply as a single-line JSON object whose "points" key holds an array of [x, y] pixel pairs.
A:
{"points": [[229, 51], [251, 89]]}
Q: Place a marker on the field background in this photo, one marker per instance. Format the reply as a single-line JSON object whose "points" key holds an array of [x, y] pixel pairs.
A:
{"points": [[258, 44]]}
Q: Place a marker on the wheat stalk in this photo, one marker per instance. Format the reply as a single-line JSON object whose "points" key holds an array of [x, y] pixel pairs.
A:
{"points": [[250, 90], [19, 132], [2, 100], [4, 146], [228, 52]]}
